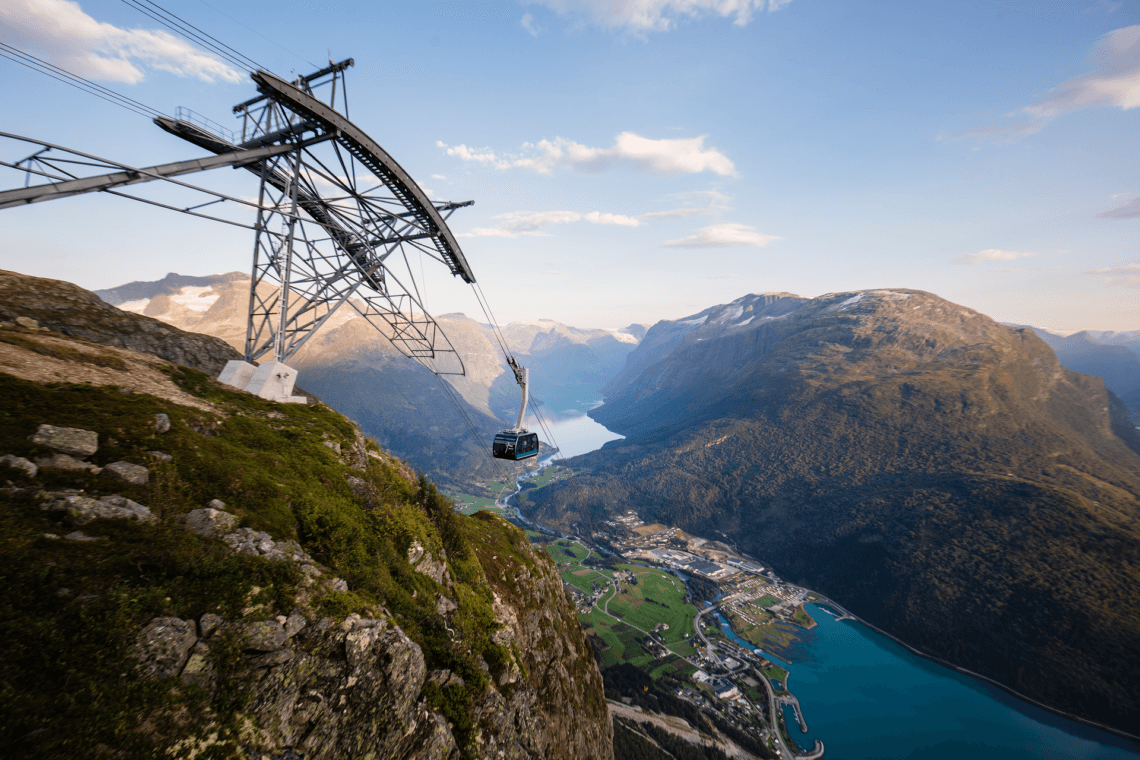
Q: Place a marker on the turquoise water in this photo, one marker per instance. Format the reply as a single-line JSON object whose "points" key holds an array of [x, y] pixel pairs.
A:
{"points": [[868, 698]]}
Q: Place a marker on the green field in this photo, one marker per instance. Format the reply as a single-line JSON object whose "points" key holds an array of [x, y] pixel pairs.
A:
{"points": [[658, 597], [550, 475], [620, 640], [575, 552]]}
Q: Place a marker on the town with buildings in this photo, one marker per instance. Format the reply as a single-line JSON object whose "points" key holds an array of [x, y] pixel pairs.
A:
{"points": [[630, 582]]}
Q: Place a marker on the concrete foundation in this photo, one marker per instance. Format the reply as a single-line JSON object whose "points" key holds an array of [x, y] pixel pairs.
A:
{"points": [[273, 381], [237, 373]]}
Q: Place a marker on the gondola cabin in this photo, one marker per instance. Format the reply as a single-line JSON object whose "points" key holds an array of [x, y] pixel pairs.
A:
{"points": [[510, 444]]}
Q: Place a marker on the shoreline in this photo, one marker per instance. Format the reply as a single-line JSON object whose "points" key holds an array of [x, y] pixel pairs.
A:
{"points": [[964, 671]]}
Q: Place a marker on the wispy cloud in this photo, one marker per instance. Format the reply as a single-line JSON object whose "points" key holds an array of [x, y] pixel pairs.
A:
{"points": [[1127, 276], [1130, 210], [532, 224], [722, 236], [642, 16], [1115, 81], [992, 254], [715, 202], [60, 32], [665, 156], [531, 25]]}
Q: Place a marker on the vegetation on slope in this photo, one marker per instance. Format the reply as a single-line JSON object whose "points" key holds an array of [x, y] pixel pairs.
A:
{"points": [[70, 610], [939, 474]]}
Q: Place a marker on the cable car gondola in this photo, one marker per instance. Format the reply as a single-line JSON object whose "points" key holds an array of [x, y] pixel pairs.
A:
{"points": [[516, 443]]}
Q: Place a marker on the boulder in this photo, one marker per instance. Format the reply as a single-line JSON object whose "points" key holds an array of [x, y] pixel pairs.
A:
{"points": [[250, 541], [74, 441], [161, 456], [209, 623], [19, 463], [135, 474], [81, 509], [294, 623], [163, 647], [263, 636], [210, 522], [65, 462], [161, 423], [199, 671]]}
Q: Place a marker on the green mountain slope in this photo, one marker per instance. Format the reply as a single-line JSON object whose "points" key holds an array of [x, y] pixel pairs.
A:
{"points": [[238, 578], [941, 475]]}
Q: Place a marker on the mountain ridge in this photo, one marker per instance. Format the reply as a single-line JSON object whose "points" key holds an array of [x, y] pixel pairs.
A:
{"points": [[931, 470]]}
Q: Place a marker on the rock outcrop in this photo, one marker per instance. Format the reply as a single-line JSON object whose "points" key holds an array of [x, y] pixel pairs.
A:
{"points": [[354, 614]]}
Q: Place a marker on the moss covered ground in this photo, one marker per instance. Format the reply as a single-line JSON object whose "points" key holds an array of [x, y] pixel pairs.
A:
{"points": [[69, 611]]}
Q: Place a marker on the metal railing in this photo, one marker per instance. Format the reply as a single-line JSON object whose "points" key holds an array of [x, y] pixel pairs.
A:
{"points": [[185, 114]]}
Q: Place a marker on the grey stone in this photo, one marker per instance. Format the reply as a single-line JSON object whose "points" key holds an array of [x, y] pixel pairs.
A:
{"points": [[161, 456], [19, 463], [294, 623], [250, 541], [28, 323], [163, 647], [65, 462], [81, 510], [263, 636], [74, 441], [336, 584], [80, 536], [444, 678], [216, 504], [209, 623], [445, 605], [357, 485], [125, 391], [134, 474], [209, 522], [161, 423], [199, 670], [52, 536], [270, 659]]}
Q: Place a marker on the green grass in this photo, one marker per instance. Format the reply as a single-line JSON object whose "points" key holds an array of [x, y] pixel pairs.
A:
{"points": [[658, 597], [70, 611], [561, 552]]}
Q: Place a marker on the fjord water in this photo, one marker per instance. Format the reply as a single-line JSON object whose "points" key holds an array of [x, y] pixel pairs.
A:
{"points": [[579, 434], [867, 697]]}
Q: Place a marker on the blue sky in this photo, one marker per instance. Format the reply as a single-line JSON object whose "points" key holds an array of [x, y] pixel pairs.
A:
{"points": [[637, 161]]}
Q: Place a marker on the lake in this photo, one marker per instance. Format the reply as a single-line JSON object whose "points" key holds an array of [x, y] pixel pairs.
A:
{"points": [[867, 697], [578, 434]]}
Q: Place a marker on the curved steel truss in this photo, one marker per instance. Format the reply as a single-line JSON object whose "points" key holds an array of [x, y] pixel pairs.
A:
{"points": [[338, 220]]}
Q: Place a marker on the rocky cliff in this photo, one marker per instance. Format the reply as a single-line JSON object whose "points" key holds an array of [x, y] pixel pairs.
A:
{"points": [[190, 571]]}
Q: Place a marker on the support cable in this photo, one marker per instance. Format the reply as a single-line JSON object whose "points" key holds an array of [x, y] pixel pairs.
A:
{"points": [[80, 83], [259, 34], [176, 24]]}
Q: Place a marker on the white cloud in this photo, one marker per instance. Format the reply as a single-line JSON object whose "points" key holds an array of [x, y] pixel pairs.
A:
{"points": [[722, 236], [716, 202], [531, 223], [991, 254], [1130, 210], [1115, 81], [665, 156], [640, 16], [1127, 276], [531, 25], [60, 32]]}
